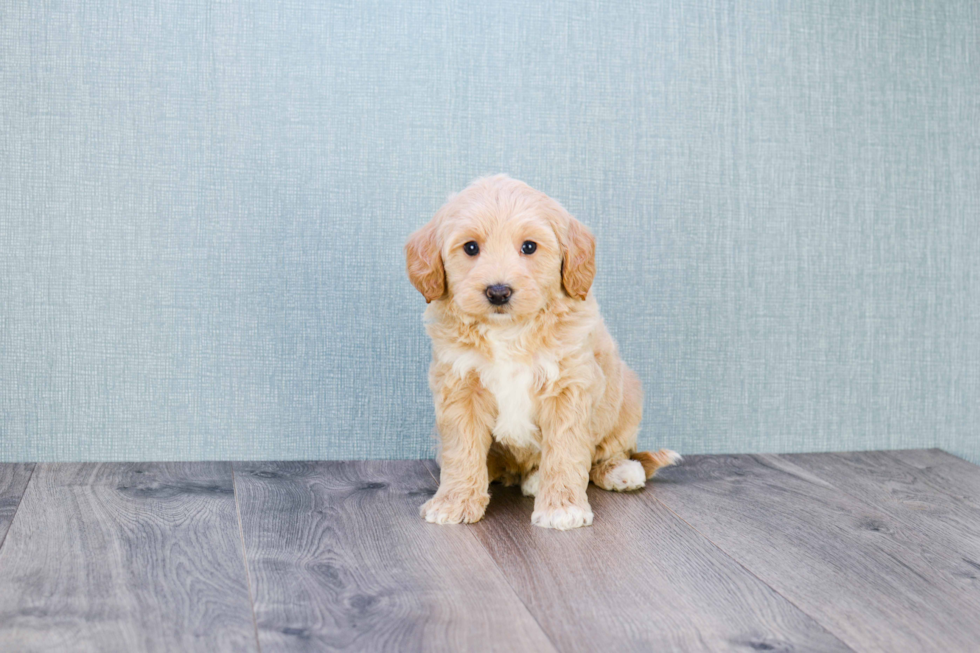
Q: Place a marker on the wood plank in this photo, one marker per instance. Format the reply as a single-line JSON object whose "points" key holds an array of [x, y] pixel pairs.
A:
{"points": [[859, 571], [126, 557], [638, 579], [339, 559], [943, 524], [947, 472], [13, 482]]}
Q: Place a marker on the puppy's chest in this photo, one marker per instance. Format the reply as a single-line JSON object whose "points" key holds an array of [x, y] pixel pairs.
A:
{"points": [[515, 382]]}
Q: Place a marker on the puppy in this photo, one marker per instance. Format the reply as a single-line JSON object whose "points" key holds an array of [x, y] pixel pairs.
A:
{"points": [[528, 384]]}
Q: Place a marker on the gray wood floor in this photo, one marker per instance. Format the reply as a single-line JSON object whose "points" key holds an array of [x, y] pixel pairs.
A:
{"points": [[872, 551]]}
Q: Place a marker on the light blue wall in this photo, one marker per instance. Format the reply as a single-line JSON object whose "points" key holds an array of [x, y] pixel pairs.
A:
{"points": [[202, 208]]}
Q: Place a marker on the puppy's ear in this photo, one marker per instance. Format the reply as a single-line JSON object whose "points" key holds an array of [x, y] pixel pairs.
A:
{"points": [[578, 259], [424, 263]]}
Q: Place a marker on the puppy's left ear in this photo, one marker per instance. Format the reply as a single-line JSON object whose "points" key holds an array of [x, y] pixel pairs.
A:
{"points": [[578, 259], [423, 262]]}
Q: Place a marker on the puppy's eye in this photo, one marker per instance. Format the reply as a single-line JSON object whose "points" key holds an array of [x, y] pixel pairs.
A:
{"points": [[529, 247], [471, 248]]}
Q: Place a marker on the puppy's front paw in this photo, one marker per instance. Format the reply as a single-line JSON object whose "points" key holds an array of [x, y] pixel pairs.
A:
{"points": [[455, 508], [563, 517]]}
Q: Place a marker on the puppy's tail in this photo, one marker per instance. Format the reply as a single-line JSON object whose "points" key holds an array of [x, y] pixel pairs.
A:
{"points": [[652, 461]]}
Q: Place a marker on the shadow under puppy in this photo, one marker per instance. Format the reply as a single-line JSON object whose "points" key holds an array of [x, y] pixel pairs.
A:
{"points": [[528, 384]]}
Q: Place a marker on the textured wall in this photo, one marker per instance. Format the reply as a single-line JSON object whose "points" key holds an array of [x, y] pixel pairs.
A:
{"points": [[203, 203]]}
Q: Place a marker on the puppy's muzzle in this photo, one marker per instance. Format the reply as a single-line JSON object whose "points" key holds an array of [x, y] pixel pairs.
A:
{"points": [[499, 294]]}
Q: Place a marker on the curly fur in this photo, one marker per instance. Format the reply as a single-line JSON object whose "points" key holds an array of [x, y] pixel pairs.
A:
{"points": [[533, 392]]}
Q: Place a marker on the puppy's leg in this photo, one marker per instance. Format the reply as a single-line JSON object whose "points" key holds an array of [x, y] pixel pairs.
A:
{"points": [[618, 475], [462, 415], [530, 483], [618, 466], [566, 457], [502, 467]]}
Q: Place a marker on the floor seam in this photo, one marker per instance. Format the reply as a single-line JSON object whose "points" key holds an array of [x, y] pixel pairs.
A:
{"points": [[513, 591], [30, 477], [875, 506], [889, 512], [424, 464], [248, 576], [754, 575]]}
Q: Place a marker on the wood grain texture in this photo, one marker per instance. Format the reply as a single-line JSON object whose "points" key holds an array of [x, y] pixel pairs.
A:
{"points": [[863, 574], [638, 579], [945, 472], [937, 522], [339, 559], [13, 482], [126, 557]]}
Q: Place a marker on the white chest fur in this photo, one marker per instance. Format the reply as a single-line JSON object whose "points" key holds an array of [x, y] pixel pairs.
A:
{"points": [[514, 377], [512, 384], [511, 377]]}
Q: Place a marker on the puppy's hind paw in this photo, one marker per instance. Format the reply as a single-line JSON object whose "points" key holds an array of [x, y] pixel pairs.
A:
{"points": [[627, 475], [531, 483]]}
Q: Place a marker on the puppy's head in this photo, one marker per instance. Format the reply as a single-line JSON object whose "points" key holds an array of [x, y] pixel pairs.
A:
{"points": [[501, 250]]}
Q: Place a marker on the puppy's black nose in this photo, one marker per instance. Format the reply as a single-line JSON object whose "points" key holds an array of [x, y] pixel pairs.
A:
{"points": [[498, 294]]}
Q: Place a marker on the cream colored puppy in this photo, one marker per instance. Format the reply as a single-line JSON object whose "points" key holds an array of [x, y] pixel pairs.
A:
{"points": [[528, 384]]}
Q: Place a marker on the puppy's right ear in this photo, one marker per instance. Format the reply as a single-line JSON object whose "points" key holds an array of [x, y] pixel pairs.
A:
{"points": [[578, 260], [424, 263]]}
